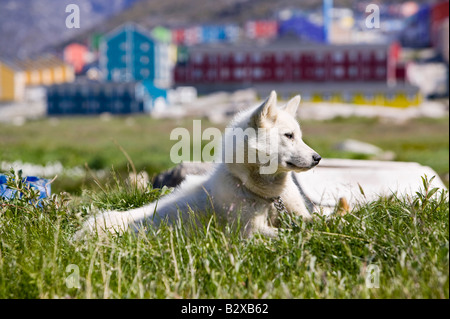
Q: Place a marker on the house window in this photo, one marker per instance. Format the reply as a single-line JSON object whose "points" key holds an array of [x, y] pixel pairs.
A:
{"points": [[198, 58], [144, 59], [352, 71], [279, 72], [198, 74], [239, 57], [238, 73], [257, 57], [258, 73], [145, 72], [320, 57], [118, 75], [320, 72], [339, 72], [338, 56], [145, 47]]}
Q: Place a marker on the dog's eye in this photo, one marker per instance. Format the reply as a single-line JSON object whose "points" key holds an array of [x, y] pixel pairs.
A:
{"points": [[289, 135]]}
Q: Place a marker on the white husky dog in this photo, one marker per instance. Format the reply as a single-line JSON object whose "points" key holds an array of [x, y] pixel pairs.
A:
{"points": [[235, 190]]}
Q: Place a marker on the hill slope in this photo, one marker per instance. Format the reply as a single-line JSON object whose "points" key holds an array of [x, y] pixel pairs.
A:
{"points": [[29, 26]]}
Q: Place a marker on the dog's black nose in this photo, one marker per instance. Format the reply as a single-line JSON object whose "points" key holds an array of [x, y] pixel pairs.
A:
{"points": [[317, 158]]}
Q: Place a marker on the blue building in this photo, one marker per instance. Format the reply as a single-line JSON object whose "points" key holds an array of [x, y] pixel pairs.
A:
{"points": [[219, 33], [302, 28], [153, 97], [129, 53], [90, 98]]}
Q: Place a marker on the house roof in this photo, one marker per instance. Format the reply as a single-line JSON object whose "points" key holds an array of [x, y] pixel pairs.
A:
{"points": [[128, 26], [10, 63], [281, 45], [46, 61]]}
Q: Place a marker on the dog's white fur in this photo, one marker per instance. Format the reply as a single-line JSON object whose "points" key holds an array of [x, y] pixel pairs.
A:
{"points": [[233, 189]]}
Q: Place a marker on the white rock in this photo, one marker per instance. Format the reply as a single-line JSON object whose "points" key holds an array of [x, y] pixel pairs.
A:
{"points": [[355, 146]]}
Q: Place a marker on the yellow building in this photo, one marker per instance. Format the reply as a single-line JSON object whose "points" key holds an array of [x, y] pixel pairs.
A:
{"points": [[12, 82], [46, 70], [16, 76]]}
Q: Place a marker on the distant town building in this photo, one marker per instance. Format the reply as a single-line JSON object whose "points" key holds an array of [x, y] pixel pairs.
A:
{"points": [[281, 65], [423, 28], [17, 76], [303, 29], [162, 34], [219, 33], [93, 98], [46, 70], [439, 20], [154, 97], [284, 63], [129, 53], [261, 29], [76, 55], [208, 33], [95, 41], [12, 81]]}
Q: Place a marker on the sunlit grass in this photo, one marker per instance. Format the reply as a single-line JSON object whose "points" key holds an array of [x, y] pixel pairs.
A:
{"points": [[407, 239]]}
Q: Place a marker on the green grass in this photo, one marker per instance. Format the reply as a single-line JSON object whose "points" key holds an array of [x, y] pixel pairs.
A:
{"points": [[408, 239], [77, 141]]}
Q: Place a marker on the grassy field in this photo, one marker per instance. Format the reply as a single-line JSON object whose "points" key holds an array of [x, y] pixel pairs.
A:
{"points": [[92, 141], [407, 240]]}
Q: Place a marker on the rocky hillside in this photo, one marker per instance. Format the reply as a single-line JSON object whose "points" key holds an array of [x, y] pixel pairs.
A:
{"points": [[29, 26]]}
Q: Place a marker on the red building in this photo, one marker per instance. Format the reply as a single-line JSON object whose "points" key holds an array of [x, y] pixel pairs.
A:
{"points": [[244, 64], [76, 55], [263, 29], [178, 36], [439, 14]]}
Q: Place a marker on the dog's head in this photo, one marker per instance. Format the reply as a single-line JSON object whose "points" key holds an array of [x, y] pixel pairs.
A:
{"points": [[292, 153]]}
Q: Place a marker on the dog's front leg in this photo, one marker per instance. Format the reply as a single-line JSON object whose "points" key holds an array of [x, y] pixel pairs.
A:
{"points": [[259, 224], [294, 201]]}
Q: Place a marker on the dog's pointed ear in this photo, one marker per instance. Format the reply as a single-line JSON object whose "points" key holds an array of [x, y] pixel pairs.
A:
{"points": [[292, 106], [267, 111]]}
